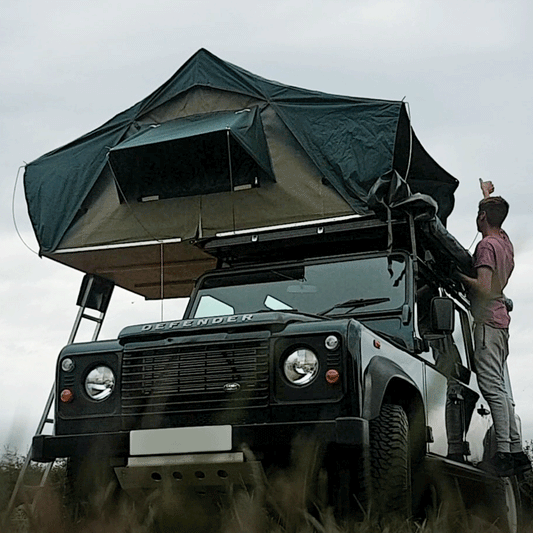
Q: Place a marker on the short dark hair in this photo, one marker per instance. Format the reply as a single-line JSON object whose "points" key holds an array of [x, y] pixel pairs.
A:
{"points": [[496, 209]]}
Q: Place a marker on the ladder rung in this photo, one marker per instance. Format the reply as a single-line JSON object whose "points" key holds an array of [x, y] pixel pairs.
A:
{"points": [[49, 421], [97, 319]]}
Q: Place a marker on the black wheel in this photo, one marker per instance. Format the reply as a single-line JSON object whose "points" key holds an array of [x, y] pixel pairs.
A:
{"points": [[348, 482], [76, 499], [91, 487], [390, 462], [506, 502]]}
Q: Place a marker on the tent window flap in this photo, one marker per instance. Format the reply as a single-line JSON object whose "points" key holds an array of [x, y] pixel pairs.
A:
{"points": [[202, 154]]}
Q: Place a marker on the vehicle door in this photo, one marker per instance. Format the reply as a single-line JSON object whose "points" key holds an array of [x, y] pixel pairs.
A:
{"points": [[456, 412]]}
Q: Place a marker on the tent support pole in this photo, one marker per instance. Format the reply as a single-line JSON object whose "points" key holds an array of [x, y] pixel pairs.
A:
{"points": [[231, 179]]}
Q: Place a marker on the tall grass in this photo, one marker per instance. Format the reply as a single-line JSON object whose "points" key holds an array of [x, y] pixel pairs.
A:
{"points": [[245, 514], [287, 503]]}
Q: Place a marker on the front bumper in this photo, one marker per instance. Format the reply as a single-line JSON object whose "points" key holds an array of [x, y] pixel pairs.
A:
{"points": [[346, 431]]}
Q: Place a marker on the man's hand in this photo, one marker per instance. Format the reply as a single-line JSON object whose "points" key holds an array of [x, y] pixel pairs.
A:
{"points": [[486, 187], [482, 283]]}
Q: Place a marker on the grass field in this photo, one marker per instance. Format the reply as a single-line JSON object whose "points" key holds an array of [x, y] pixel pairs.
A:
{"points": [[281, 506], [245, 515]]}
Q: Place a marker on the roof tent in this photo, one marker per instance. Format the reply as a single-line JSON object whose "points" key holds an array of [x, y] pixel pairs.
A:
{"points": [[214, 150]]}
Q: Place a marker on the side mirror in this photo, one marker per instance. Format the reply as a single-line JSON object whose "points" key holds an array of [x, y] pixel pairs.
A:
{"points": [[442, 315]]}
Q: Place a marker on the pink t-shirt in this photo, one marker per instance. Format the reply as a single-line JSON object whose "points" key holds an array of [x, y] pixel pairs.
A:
{"points": [[497, 254]]}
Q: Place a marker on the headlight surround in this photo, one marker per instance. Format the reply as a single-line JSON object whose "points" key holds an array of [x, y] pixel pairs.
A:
{"points": [[100, 383], [301, 367]]}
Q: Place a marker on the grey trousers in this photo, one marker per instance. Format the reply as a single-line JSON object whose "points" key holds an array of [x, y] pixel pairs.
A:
{"points": [[490, 355]]}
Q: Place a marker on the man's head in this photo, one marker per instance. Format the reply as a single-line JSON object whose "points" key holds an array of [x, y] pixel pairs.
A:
{"points": [[493, 210]]}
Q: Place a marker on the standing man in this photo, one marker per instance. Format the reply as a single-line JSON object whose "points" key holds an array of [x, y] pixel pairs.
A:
{"points": [[494, 262]]}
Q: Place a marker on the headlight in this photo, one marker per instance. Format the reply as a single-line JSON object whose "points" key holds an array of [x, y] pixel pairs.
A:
{"points": [[100, 383], [301, 367]]}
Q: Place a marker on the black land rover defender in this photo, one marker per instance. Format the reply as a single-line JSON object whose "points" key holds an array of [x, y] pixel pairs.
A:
{"points": [[350, 334]]}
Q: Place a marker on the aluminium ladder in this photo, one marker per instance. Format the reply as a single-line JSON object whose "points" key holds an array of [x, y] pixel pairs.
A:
{"points": [[95, 293]]}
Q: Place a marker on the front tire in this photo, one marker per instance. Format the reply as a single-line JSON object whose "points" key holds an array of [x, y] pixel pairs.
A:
{"points": [[91, 487], [391, 462], [507, 504], [348, 482]]}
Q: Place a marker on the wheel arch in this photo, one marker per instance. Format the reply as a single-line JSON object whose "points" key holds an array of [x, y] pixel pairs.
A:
{"points": [[387, 383]]}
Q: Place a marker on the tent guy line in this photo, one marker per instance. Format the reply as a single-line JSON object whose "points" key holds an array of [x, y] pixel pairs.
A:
{"points": [[13, 212]]}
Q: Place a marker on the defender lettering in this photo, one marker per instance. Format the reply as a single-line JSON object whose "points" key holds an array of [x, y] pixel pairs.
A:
{"points": [[197, 322]]}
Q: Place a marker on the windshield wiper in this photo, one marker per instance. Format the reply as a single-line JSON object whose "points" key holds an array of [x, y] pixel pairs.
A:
{"points": [[296, 312], [354, 304], [293, 312]]}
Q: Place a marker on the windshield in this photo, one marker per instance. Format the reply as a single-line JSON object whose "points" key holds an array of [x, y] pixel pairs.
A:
{"points": [[335, 288]]}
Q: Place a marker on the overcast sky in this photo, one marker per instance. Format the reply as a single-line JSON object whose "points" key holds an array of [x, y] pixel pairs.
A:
{"points": [[67, 67]]}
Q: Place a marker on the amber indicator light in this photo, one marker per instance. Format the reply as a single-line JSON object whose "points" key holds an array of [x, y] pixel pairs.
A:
{"points": [[332, 376], [66, 396]]}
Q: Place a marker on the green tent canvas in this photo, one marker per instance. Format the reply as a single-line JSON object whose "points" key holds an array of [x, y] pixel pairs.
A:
{"points": [[216, 150]]}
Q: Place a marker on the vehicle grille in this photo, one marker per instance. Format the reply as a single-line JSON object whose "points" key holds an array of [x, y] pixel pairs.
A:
{"points": [[185, 378]]}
